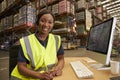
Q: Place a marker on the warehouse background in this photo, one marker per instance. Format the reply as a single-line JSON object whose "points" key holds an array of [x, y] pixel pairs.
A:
{"points": [[73, 19]]}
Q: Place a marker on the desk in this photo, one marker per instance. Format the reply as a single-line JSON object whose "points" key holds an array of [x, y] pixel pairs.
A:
{"points": [[68, 73]]}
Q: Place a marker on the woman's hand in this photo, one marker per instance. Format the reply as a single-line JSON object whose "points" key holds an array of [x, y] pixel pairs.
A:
{"points": [[31, 73], [56, 72], [46, 76]]}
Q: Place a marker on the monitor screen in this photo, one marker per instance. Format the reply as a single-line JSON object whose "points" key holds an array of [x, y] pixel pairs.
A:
{"points": [[101, 37]]}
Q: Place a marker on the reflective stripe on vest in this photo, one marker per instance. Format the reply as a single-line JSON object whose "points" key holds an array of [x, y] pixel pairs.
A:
{"points": [[48, 67], [56, 40], [29, 51]]}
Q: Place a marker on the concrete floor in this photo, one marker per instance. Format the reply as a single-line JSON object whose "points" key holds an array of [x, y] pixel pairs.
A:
{"points": [[4, 60], [4, 65]]}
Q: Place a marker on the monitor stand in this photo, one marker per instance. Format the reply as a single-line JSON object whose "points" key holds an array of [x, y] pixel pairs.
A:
{"points": [[99, 66]]}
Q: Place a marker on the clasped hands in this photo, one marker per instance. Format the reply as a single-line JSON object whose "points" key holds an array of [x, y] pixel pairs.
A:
{"points": [[48, 75]]}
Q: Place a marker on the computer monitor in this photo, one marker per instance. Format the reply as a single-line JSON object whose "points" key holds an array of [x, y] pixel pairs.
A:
{"points": [[101, 37]]}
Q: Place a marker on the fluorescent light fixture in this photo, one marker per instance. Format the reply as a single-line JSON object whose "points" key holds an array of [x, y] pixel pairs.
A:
{"points": [[113, 6], [110, 3], [103, 2], [117, 8]]}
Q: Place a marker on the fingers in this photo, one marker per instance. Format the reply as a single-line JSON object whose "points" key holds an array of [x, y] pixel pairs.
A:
{"points": [[53, 73], [56, 72], [46, 76], [49, 75]]}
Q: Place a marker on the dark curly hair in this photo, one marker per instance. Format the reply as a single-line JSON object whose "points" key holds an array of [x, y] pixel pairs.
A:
{"points": [[41, 13]]}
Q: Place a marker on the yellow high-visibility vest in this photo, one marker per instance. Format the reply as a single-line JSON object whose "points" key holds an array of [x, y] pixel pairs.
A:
{"points": [[40, 58]]}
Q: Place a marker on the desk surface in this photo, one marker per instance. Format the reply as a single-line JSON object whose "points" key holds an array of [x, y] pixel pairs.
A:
{"points": [[68, 73]]}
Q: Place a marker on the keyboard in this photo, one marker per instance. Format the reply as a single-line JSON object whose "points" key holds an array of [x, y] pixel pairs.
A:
{"points": [[81, 70]]}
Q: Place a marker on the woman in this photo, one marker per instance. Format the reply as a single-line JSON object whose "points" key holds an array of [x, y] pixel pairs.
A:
{"points": [[37, 54]]}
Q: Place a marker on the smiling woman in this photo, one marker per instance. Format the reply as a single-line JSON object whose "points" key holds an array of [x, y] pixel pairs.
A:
{"points": [[41, 55], [45, 24]]}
